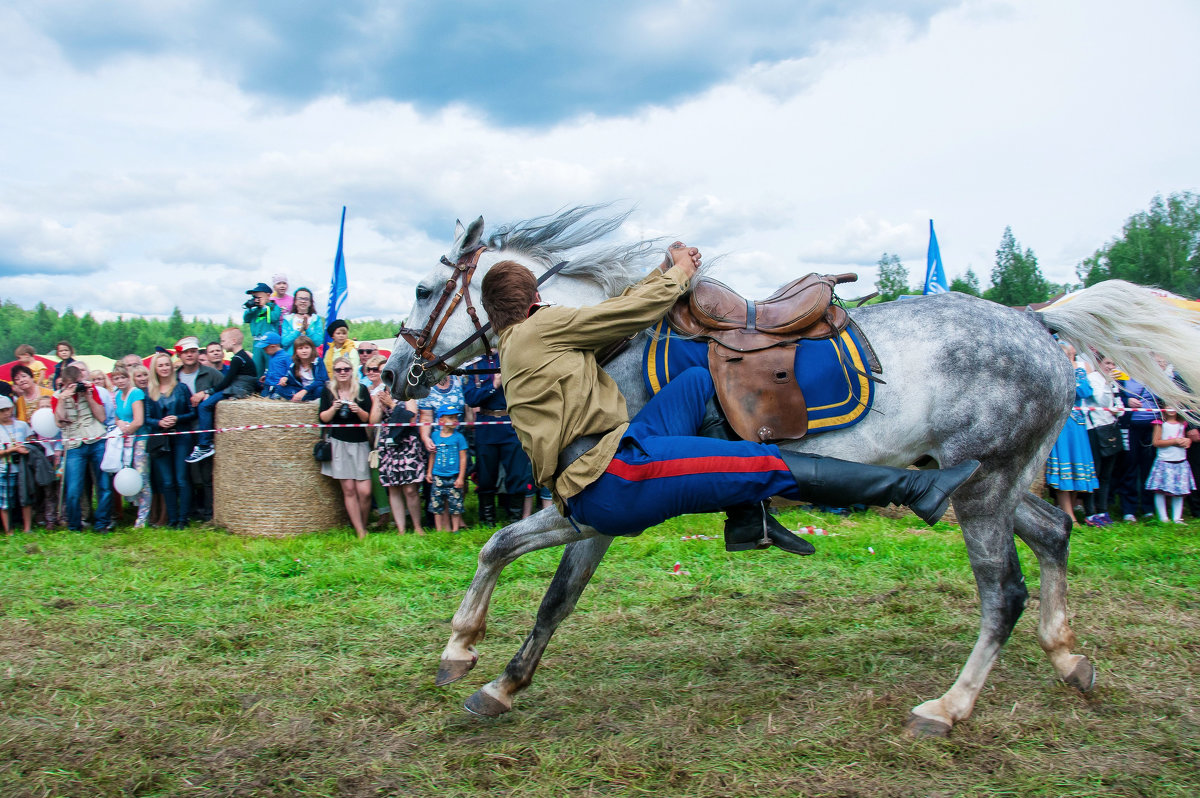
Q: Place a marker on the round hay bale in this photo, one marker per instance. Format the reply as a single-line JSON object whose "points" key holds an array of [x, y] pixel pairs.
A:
{"points": [[266, 482]]}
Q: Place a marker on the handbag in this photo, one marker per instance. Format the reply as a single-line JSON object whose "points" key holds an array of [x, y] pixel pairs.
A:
{"points": [[323, 450], [1108, 439], [114, 449]]}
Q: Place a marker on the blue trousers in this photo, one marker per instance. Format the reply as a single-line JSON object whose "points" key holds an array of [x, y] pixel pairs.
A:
{"points": [[663, 469], [171, 480], [204, 418], [79, 460], [495, 450]]}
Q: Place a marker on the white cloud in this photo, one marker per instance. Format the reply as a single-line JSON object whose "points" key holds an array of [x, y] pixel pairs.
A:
{"points": [[183, 190]]}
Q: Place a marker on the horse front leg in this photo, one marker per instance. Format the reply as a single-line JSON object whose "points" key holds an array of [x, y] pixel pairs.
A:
{"points": [[1002, 595], [541, 530], [1047, 531], [578, 564]]}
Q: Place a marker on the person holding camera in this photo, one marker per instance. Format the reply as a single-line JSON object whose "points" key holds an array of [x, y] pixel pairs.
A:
{"points": [[345, 401], [79, 411], [263, 316]]}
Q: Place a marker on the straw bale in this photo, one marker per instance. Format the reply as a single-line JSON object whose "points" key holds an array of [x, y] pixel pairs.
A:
{"points": [[266, 482]]}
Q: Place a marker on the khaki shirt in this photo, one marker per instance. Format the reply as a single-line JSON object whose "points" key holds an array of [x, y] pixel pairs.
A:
{"points": [[555, 390]]}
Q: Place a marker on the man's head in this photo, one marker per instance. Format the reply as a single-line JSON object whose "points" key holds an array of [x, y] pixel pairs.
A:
{"points": [[366, 351], [73, 373], [216, 354], [189, 353], [129, 361], [273, 343], [508, 291]]}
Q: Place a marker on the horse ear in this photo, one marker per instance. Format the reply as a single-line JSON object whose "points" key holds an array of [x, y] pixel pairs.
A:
{"points": [[459, 230], [474, 233]]}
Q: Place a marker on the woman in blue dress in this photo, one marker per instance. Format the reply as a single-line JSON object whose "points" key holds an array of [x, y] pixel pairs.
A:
{"points": [[1070, 469]]}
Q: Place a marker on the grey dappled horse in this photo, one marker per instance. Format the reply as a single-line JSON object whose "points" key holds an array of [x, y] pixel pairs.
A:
{"points": [[965, 378]]}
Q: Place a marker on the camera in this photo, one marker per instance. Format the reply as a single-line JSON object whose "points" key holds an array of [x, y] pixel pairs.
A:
{"points": [[80, 389], [249, 303]]}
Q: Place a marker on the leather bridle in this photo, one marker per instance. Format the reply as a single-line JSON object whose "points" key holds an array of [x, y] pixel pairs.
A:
{"points": [[422, 341]]}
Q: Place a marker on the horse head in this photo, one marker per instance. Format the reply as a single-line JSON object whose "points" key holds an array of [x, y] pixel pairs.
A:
{"points": [[445, 312]]}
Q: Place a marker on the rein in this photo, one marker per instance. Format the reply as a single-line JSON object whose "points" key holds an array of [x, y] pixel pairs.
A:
{"points": [[422, 341]]}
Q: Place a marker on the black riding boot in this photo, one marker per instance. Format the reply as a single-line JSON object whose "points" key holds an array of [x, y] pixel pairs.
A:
{"points": [[840, 483], [750, 525], [487, 508], [512, 506]]}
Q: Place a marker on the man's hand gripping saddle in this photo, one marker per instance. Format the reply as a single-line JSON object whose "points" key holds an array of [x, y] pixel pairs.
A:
{"points": [[752, 348]]}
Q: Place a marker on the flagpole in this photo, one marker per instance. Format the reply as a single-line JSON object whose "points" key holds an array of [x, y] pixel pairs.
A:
{"points": [[338, 287]]}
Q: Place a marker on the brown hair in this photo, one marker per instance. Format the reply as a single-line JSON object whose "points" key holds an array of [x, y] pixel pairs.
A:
{"points": [[304, 340], [67, 344], [507, 292], [25, 349]]}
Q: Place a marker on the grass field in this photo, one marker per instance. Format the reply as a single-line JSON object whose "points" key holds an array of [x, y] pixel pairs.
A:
{"points": [[196, 663]]}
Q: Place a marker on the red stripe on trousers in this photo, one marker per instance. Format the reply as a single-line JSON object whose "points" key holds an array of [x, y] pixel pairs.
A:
{"points": [[638, 472]]}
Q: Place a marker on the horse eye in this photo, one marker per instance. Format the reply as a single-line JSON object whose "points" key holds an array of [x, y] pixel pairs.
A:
{"points": [[423, 293]]}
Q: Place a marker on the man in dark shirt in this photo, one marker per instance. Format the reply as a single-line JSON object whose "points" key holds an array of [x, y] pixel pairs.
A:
{"points": [[496, 445]]}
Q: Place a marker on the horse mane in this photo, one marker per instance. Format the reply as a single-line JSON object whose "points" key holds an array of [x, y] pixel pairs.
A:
{"points": [[548, 239]]}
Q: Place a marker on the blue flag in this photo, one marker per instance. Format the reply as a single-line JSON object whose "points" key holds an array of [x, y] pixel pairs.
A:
{"points": [[338, 288], [935, 275]]}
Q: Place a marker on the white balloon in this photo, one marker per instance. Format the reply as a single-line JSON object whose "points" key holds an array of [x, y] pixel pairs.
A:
{"points": [[127, 482], [43, 422]]}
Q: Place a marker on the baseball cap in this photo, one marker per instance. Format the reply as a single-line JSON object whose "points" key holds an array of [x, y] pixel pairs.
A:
{"points": [[447, 410], [272, 338], [189, 342], [5, 403]]}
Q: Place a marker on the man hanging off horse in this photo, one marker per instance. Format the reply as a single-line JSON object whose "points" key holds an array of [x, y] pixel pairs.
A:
{"points": [[621, 477]]}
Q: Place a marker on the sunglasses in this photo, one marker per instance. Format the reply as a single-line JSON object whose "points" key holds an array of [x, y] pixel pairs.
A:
{"points": [[373, 368], [367, 351], [342, 370]]}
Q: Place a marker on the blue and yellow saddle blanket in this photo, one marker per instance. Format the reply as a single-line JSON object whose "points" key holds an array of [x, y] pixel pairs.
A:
{"points": [[832, 373]]}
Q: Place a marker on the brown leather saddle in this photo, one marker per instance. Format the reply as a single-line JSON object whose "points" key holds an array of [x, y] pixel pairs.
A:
{"points": [[752, 348]]}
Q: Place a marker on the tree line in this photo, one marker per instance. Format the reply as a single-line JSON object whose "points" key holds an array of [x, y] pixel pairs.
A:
{"points": [[43, 327], [1157, 247]]}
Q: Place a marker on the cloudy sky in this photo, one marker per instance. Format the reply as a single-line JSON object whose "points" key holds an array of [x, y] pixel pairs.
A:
{"points": [[156, 153]]}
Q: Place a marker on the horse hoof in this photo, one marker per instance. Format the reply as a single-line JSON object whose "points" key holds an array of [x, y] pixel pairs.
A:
{"points": [[917, 726], [484, 705], [451, 670], [1083, 677]]}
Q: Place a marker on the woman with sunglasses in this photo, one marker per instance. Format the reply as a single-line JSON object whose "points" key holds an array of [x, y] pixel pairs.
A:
{"points": [[344, 401]]}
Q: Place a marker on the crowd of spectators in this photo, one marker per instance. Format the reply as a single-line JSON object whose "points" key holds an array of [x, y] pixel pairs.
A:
{"points": [[1121, 441], [1119, 444], [56, 476]]}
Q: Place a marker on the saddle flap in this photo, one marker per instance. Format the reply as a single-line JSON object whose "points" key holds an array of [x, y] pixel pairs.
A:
{"points": [[758, 392]]}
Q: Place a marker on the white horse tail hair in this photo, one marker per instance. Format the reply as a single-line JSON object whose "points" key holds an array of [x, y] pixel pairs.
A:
{"points": [[1130, 324]]}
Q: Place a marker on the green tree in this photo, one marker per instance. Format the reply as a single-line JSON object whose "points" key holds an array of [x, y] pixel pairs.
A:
{"points": [[1159, 246], [176, 327], [1016, 278], [893, 278], [967, 284]]}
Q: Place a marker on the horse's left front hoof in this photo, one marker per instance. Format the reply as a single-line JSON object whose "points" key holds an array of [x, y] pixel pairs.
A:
{"points": [[484, 705], [917, 726]]}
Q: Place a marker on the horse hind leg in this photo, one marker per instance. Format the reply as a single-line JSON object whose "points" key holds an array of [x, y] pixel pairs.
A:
{"points": [[1047, 531], [541, 530], [578, 564], [1002, 596]]}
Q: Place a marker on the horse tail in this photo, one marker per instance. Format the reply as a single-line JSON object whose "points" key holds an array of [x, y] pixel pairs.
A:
{"points": [[1130, 324]]}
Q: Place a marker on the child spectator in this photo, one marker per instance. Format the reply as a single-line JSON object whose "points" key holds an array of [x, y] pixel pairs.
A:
{"points": [[1171, 475], [240, 380], [306, 376], [66, 356], [131, 418], [26, 391], [280, 295], [13, 434], [279, 367], [340, 345], [264, 317], [303, 320], [25, 354], [46, 505], [447, 471]]}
